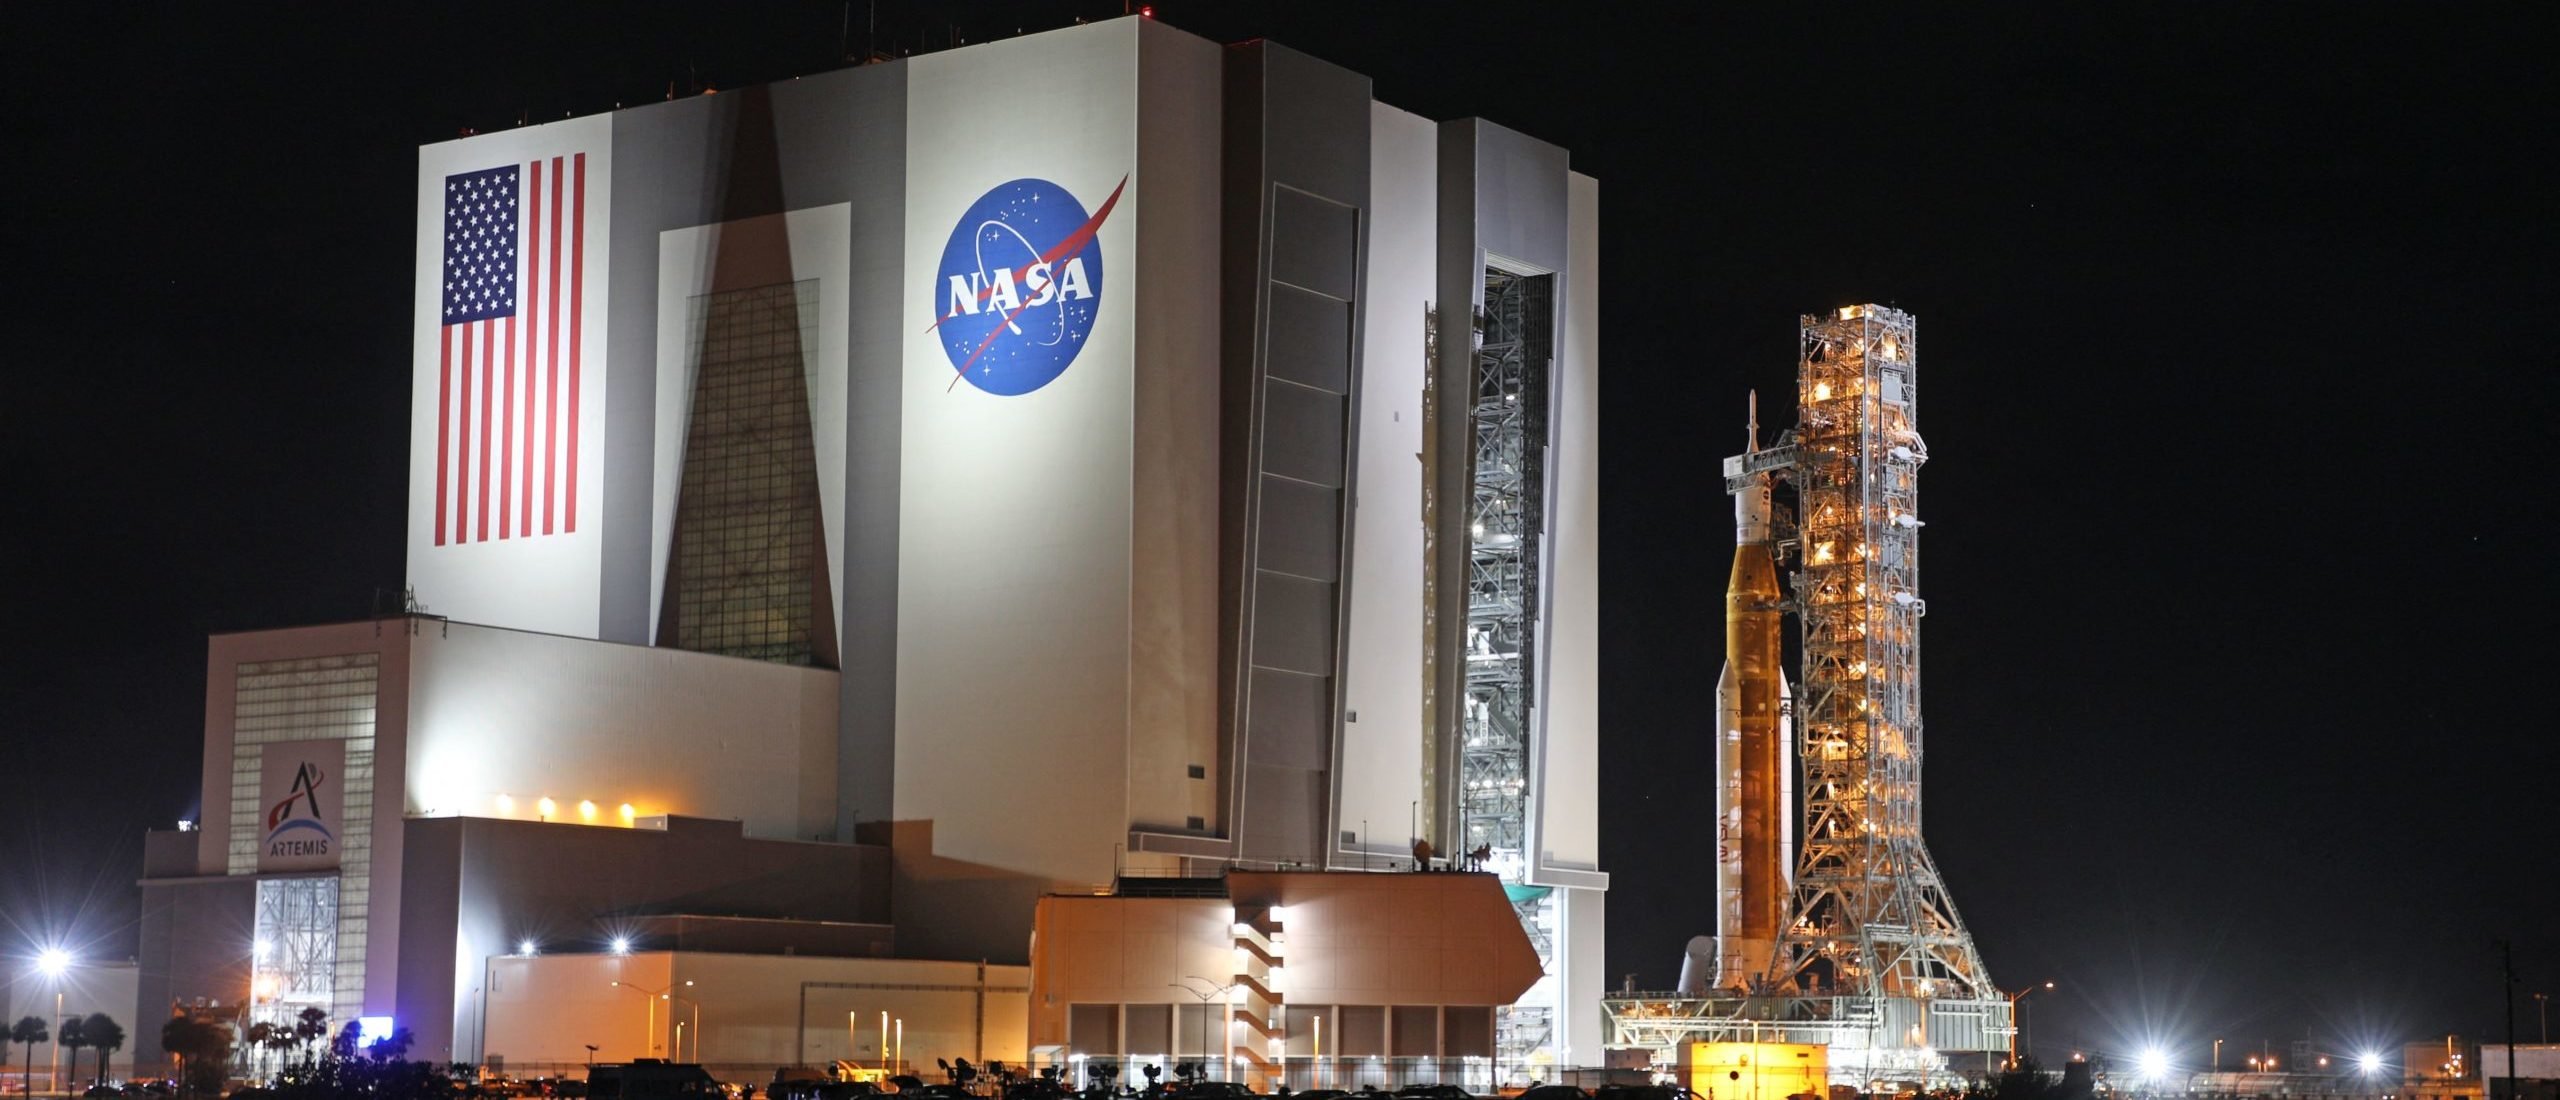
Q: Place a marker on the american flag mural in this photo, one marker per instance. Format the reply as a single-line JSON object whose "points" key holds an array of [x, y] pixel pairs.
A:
{"points": [[508, 370]]}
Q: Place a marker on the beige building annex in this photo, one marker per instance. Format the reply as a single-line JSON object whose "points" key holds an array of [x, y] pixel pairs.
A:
{"points": [[858, 521]]}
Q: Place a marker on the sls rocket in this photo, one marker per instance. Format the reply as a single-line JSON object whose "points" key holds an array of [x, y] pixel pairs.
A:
{"points": [[1755, 758]]}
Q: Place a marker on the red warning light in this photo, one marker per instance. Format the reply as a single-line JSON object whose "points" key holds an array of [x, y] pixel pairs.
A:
{"points": [[1146, 11]]}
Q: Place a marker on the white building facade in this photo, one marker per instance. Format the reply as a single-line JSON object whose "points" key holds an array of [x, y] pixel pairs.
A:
{"points": [[1022, 489]]}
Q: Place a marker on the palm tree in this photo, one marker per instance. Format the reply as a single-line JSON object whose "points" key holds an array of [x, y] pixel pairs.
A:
{"points": [[71, 1036], [106, 1036], [310, 1026], [30, 1030], [204, 1049], [261, 1038], [281, 1039]]}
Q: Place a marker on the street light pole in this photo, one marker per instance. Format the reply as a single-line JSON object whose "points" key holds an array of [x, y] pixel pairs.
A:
{"points": [[1315, 1064], [654, 996], [2015, 1020], [1205, 998], [672, 1001]]}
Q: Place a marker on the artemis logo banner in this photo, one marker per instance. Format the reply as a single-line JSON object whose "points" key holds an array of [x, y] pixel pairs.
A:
{"points": [[302, 805], [1019, 285]]}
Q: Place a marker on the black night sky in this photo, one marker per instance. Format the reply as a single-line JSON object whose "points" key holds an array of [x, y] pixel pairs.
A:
{"points": [[2237, 363]]}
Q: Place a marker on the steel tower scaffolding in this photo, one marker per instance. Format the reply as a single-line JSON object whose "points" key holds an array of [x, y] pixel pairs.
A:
{"points": [[1874, 960], [1871, 916], [1508, 416], [293, 956]]}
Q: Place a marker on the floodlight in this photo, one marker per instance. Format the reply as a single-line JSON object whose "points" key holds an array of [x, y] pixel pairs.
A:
{"points": [[52, 961], [2370, 1062], [622, 945], [2155, 1064], [525, 947]]}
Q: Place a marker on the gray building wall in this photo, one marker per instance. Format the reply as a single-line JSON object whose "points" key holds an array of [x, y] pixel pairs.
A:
{"points": [[1502, 198], [1297, 196], [477, 887], [836, 137], [195, 946]]}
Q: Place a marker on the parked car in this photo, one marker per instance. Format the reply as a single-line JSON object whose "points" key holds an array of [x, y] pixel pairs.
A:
{"points": [[1434, 1092], [650, 1079], [1554, 1092], [1036, 1088], [1642, 1092]]}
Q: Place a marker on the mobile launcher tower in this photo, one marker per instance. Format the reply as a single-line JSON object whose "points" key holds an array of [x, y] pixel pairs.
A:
{"points": [[1843, 936]]}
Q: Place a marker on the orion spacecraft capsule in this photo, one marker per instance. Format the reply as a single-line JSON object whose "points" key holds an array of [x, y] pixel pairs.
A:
{"points": [[1755, 795]]}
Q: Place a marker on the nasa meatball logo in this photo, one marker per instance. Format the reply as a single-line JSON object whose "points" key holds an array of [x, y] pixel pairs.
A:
{"points": [[1020, 285]]}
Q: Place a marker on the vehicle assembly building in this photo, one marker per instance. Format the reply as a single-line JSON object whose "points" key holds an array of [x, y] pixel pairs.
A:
{"points": [[1853, 942], [844, 512]]}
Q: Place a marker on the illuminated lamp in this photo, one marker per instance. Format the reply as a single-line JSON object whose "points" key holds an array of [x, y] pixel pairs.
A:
{"points": [[628, 814], [548, 808], [586, 809]]}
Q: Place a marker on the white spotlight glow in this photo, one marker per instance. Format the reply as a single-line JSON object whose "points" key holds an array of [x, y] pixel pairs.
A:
{"points": [[525, 947], [622, 945], [52, 961], [2154, 1064], [2370, 1062]]}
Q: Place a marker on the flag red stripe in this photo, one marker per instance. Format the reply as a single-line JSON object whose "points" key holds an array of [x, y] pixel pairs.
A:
{"points": [[488, 404], [444, 426], [462, 464], [551, 369], [530, 290], [577, 297], [507, 437]]}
